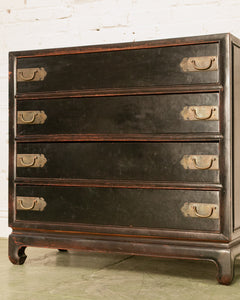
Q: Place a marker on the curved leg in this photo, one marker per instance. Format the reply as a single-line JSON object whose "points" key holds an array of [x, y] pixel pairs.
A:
{"points": [[16, 253], [225, 265]]}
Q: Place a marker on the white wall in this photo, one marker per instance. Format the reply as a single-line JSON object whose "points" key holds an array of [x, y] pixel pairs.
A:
{"points": [[33, 24]]}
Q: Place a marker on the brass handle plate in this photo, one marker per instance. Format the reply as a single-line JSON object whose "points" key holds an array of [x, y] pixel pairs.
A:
{"points": [[31, 203], [31, 117], [200, 210], [200, 162], [31, 160], [200, 113], [199, 64], [31, 74]]}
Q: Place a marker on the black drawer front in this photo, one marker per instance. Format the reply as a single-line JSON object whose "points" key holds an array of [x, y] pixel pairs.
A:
{"points": [[113, 160], [121, 207], [117, 69], [153, 114]]}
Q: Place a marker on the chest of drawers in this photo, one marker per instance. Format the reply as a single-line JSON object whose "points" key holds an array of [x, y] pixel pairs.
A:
{"points": [[128, 148]]}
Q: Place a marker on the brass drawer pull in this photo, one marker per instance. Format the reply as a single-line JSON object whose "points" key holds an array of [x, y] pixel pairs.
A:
{"points": [[28, 164], [198, 64], [200, 113], [202, 67], [31, 117], [27, 208], [28, 121], [203, 167], [31, 203], [198, 116], [200, 210], [31, 74], [31, 160], [203, 216], [27, 76], [200, 162]]}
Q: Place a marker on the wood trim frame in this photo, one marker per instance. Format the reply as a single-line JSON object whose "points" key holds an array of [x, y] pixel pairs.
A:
{"points": [[204, 39]]}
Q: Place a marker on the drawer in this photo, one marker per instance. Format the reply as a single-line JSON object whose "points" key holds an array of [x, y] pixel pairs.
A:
{"points": [[163, 66], [169, 161], [153, 114], [171, 209]]}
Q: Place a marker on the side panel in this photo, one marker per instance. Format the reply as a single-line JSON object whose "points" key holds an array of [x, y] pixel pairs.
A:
{"points": [[11, 161], [236, 135]]}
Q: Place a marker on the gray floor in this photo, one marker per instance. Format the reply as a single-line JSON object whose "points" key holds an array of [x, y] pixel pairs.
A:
{"points": [[49, 274]]}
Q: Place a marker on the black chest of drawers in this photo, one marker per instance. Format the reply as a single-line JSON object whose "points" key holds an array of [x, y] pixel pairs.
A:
{"points": [[128, 148]]}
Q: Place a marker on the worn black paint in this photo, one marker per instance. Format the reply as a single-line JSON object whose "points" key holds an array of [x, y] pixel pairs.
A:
{"points": [[120, 207], [118, 69], [113, 160], [149, 114]]}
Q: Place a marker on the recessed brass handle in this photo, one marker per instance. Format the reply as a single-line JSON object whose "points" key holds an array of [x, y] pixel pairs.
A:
{"points": [[29, 77], [199, 117], [31, 74], [203, 68], [200, 113], [201, 210], [199, 63], [200, 162], [31, 160], [27, 208], [28, 164], [203, 167], [28, 121], [31, 117], [30, 203], [203, 216]]}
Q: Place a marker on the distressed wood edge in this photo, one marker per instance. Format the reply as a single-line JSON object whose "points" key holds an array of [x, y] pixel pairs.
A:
{"points": [[109, 92], [119, 183], [218, 240], [174, 137], [221, 254], [203, 39]]}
